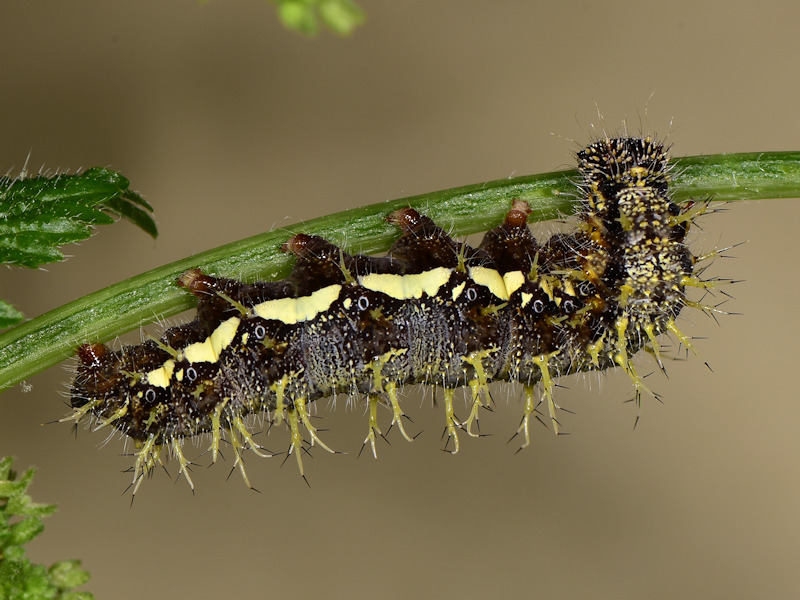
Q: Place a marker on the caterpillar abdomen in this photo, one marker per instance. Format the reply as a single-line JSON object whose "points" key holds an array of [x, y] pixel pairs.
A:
{"points": [[433, 311]]}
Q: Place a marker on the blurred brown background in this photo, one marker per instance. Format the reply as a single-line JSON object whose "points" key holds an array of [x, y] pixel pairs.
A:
{"points": [[230, 125]]}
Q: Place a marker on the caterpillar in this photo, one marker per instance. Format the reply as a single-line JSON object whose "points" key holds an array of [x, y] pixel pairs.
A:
{"points": [[433, 311]]}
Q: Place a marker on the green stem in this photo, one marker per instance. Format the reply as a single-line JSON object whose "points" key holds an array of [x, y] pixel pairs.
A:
{"points": [[50, 338]]}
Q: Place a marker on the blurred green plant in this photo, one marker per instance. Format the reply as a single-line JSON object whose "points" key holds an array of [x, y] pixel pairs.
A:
{"points": [[20, 522], [308, 16]]}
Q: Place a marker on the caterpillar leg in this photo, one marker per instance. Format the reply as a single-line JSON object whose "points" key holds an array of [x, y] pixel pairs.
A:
{"points": [[530, 409], [216, 434], [182, 462], [305, 418], [373, 426], [147, 456], [621, 358], [380, 385], [479, 388], [238, 430], [296, 440], [542, 361], [451, 423], [397, 412]]}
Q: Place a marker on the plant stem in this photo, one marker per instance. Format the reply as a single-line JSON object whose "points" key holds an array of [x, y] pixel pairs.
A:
{"points": [[52, 337]]}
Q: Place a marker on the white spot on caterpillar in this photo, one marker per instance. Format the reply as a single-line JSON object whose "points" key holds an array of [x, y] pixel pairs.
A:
{"points": [[295, 310], [489, 278], [404, 287], [161, 377], [458, 290], [348, 302], [208, 350]]}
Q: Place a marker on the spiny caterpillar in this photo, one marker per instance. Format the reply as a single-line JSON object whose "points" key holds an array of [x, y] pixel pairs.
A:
{"points": [[433, 311]]}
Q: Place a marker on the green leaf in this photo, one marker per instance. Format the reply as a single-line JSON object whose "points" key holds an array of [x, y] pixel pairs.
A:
{"points": [[130, 212], [9, 315], [5, 468], [39, 214], [68, 574], [12, 490], [19, 578], [24, 531]]}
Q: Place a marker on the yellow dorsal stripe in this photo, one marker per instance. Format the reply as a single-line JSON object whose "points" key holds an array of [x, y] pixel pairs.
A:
{"points": [[404, 287], [491, 279], [513, 280], [161, 377], [296, 310], [209, 350]]}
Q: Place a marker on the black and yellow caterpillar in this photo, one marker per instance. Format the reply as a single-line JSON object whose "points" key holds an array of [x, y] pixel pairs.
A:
{"points": [[432, 311]]}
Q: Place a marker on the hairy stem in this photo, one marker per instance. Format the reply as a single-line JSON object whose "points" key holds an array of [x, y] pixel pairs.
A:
{"points": [[52, 337]]}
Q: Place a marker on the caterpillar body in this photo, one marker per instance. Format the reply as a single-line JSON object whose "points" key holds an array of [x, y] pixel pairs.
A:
{"points": [[432, 311]]}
